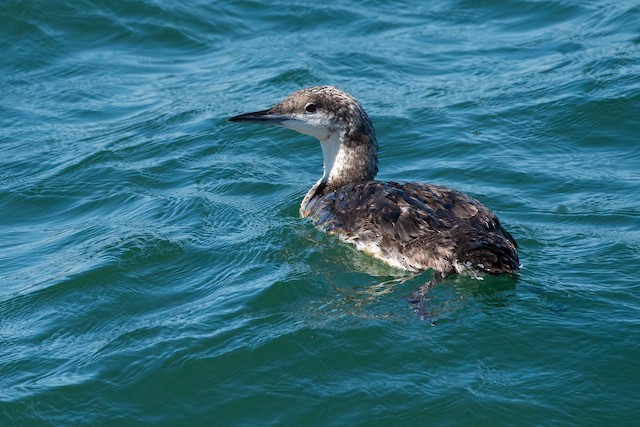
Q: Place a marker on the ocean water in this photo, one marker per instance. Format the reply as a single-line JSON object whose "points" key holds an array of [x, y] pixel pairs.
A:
{"points": [[153, 268]]}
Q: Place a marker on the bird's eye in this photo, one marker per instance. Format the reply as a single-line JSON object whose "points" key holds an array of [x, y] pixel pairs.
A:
{"points": [[310, 107]]}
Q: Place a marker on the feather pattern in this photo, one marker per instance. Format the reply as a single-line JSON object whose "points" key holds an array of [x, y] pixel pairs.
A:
{"points": [[416, 226]]}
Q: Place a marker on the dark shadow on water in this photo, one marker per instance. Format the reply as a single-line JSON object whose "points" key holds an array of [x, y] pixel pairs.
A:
{"points": [[455, 297], [441, 298]]}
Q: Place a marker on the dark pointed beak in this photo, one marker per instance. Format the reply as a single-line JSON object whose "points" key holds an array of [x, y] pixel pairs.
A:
{"points": [[265, 117]]}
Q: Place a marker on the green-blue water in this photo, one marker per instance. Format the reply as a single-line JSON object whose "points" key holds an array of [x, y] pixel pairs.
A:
{"points": [[153, 268]]}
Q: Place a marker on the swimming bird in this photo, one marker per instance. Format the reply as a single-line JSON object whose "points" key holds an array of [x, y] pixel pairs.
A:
{"points": [[411, 226]]}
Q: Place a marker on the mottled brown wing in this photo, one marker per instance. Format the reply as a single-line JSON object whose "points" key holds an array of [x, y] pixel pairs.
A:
{"points": [[425, 226]]}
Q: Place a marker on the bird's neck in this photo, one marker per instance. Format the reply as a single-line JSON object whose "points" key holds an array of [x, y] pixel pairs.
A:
{"points": [[348, 160], [349, 157]]}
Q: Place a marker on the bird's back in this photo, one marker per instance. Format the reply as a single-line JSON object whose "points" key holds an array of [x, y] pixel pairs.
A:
{"points": [[416, 227]]}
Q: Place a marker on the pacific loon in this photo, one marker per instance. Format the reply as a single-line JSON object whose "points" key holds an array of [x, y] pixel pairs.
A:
{"points": [[411, 226]]}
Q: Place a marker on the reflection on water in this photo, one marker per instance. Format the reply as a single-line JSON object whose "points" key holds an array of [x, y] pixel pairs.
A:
{"points": [[364, 294]]}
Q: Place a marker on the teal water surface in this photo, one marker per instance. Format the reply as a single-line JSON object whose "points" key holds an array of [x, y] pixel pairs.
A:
{"points": [[153, 268]]}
